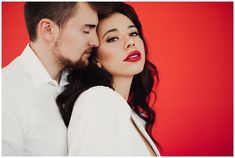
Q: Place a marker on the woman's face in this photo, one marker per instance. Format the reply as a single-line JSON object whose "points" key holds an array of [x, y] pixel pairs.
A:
{"points": [[121, 51]]}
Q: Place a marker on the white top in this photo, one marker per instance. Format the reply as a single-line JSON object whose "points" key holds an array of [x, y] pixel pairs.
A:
{"points": [[100, 125], [31, 122]]}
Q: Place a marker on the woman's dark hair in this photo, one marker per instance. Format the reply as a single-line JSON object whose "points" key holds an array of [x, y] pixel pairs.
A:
{"points": [[59, 12], [142, 83]]}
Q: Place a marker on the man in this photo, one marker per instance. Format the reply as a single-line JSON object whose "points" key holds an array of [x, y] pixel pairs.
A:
{"points": [[61, 35]]}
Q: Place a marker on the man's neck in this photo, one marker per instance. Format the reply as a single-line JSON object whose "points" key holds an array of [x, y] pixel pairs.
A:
{"points": [[47, 59]]}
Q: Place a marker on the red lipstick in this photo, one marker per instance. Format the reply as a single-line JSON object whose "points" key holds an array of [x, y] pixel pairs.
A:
{"points": [[133, 56]]}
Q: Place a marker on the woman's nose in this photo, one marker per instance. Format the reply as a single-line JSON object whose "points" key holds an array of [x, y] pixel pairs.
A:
{"points": [[129, 43]]}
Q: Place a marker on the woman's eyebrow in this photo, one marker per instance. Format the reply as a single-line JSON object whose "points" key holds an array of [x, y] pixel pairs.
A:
{"points": [[114, 29], [111, 30], [131, 26]]}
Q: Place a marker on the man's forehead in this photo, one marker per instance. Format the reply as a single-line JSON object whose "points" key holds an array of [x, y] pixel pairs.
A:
{"points": [[86, 15], [83, 7]]}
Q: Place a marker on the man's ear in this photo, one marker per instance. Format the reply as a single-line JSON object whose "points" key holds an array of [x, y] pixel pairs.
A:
{"points": [[47, 30]]}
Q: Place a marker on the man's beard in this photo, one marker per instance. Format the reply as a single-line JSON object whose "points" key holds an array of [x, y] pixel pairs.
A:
{"points": [[67, 64]]}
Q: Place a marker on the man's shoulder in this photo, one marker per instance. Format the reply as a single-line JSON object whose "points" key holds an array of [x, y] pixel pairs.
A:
{"points": [[14, 73], [17, 66], [13, 67]]}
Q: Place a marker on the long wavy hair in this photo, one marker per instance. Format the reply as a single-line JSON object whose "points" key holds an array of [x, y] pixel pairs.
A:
{"points": [[142, 83]]}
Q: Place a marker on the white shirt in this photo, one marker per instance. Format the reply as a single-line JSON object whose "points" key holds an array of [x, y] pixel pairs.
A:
{"points": [[100, 125], [31, 122]]}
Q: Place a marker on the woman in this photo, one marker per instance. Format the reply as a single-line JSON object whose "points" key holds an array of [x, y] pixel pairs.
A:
{"points": [[109, 102]]}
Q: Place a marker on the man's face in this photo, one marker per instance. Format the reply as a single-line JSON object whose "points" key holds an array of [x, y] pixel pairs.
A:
{"points": [[77, 38]]}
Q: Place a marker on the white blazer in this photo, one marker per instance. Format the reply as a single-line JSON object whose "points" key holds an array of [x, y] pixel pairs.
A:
{"points": [[100, 125]]}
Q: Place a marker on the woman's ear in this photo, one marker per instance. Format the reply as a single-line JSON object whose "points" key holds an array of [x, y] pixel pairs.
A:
{"points": [[98, 63], [47, 30]]}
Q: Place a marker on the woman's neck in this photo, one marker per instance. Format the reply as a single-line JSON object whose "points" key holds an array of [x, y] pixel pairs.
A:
{"points": [[122, 85]]}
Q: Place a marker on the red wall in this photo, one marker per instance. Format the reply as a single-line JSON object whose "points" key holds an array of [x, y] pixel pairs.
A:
{"points": [[192, 46]]}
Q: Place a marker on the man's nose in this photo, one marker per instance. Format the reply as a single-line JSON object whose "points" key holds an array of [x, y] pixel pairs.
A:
{"points": [[94, 40]]}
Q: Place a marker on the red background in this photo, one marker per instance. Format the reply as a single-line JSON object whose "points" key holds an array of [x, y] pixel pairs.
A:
{"points": [[192, 46]]}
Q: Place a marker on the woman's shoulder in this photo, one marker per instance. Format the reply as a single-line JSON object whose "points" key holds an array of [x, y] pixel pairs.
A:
{"points": [[100, 97], [98, 92], [95, 89]]}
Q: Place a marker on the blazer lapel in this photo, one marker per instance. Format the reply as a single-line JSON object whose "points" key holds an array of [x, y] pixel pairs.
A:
{"points": [[136, 120]]}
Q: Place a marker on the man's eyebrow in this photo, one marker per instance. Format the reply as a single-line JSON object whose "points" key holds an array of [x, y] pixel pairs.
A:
{"points": [[111, 30], [90, 25]]}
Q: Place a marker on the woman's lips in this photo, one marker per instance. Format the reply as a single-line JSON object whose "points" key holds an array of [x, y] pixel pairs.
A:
{"points": [[133, 56]]}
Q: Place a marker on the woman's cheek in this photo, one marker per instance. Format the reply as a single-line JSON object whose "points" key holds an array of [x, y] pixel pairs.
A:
{"points": [[104, 54], [140, 46]]}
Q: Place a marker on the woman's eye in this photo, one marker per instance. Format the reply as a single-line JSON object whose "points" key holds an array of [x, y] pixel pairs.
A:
{"points": [[133, 34], [112, 39]]}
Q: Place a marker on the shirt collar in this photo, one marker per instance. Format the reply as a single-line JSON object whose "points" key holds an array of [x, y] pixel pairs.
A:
{"points": [[36, 69], [63, 80]]}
